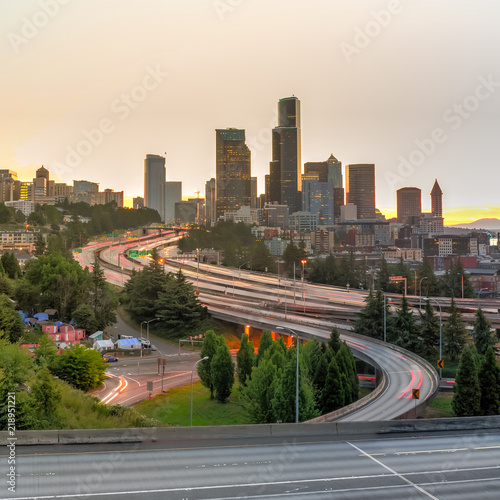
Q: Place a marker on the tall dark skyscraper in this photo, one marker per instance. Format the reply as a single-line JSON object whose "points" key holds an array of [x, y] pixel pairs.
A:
{"points": [[285, 168], [409, 205], [436, 200], [360, 189], [154, 183], [233, 171]]}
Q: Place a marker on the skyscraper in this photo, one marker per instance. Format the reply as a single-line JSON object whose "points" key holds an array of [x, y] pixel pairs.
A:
{"points": [[317, 198], [360, 189], [154, 183], [173, 194], [436, 200], [335, 172], [409, 205], [233, 171], [285, 168], [210, 203]]}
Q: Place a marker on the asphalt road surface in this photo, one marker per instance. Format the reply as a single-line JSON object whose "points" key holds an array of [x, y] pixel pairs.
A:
{"points": [[450, 466]]}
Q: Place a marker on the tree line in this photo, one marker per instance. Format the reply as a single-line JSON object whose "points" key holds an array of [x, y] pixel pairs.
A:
{"points": [[328, 377], [151, 293], [340, 271], [420, 334], [239, 245]]}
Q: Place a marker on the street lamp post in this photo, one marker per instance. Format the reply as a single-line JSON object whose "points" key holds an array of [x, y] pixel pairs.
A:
{"points": [[147, 326], [479, 296], [420, 290], [296, 335], [385, 317], [440, 334], [192, 373], [303, 262]]}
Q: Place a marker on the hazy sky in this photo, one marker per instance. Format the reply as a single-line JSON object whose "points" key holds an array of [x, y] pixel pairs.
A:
{"points": [[374, 77]]}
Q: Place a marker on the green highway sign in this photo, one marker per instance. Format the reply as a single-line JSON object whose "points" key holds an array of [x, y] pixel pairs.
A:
{"points": [[133, 253], [78, 250]]}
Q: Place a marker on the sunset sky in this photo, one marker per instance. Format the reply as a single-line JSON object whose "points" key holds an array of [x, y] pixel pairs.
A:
{"points": [[89, 87]]}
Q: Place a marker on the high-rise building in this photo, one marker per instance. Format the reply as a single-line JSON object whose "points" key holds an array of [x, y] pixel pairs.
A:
{"points": [[253, 192], [409, 205], [154, 183], [335, 172], [285, 168], [8, 179], [338, 202], [137, 202], [436, 200], [360, 189], [173, 194], [317, 198], [210, 203], [233, 171]]}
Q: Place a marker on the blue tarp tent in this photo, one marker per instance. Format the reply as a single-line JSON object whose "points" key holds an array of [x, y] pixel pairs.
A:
{"points": [[41, 316], [59, 323]]}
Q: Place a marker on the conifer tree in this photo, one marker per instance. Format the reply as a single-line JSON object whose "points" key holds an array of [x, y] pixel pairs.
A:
{"points": [[265, 342], [222, 369], [489, 382], [482, 333], [333, 394], [467, 399], [211, 342], [429, 331], [454, 333], [244, 359]]}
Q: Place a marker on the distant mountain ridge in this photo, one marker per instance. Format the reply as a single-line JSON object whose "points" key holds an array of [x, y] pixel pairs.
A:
{"points": [[492, 223]]}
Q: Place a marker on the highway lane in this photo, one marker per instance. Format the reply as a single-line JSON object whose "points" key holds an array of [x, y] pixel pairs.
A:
{"points": [[402, 372], [451, 466]]}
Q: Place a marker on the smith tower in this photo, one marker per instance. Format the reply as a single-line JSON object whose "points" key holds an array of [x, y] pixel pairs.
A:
{"points": [[285, 182]]}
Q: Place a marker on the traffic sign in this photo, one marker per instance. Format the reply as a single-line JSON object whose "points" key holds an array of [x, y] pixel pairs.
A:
{"points": [[133, 253], [440, 363], [78, 250], [396, 278], [415, 394], [149, 386], [197, 292]]}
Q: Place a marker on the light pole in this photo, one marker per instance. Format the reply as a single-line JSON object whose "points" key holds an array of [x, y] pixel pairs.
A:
{"points": [[147, 325], [385, 317], [440, 334], [479, 296], [420, 290], [296, 335], [192, 372], [303, 262]]}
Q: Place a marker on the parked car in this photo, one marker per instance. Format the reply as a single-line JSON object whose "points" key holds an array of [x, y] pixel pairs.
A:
{"points": [[109, 358]]}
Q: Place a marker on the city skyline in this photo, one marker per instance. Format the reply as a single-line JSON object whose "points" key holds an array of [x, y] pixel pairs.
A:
{"points": [[162, 89]]}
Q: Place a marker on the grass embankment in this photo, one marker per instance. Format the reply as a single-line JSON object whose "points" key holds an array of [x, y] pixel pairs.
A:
{"points": [[173, 408], [440, 406], [78, 410]]}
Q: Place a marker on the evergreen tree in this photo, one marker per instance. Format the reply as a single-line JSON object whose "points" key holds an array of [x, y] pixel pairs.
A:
{"points": [[40, 244], [334, 341], [45, 353], [371, 318], [11, 325], [427, 282], [311, 354], [467, 399], [489, 382], [406, 328], [211, 343], [482, 333], [454, 333], [333, 394], [345, 369], [222, 370], [10, 265], [258, 394], [319, 380], [265, 342], [244, 359], [429, 331], [284, 399], [383, 274], [351, 371]]}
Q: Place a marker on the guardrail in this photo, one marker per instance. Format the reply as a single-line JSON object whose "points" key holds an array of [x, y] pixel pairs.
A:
{"points": [[152, 434]]}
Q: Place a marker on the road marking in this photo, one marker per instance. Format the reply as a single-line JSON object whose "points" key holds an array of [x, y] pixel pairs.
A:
{"points": [[487, 448], [392, 471], [451, 450]]}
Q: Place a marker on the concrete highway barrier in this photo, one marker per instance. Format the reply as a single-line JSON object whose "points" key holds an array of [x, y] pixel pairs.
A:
{"points": [[145, 434]]}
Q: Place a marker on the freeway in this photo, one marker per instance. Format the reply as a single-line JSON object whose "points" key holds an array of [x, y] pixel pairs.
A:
{"points": [[448, 466], [401, 371]]}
